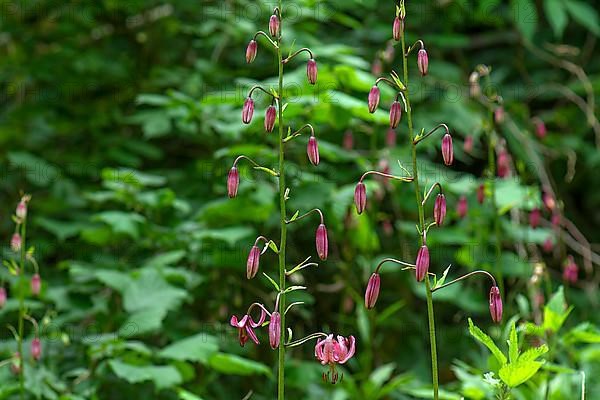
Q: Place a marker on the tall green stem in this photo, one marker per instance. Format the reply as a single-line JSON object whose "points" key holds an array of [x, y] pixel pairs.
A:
{"points": [[492, 182], [21, 284], [281, 354], [430, 313]]}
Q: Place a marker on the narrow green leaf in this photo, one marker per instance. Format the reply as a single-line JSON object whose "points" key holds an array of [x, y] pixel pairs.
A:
{"points": [[275, 285], [556, 14], [513, 344]]}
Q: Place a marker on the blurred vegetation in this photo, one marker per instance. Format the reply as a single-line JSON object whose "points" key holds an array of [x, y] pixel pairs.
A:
{"points": [[123, 118]]}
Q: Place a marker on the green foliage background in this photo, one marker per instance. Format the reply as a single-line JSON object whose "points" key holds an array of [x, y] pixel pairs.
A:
{"points": [[122, 118]]}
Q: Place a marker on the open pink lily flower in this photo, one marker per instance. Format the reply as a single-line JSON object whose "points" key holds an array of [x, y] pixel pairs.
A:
{"points": [[330, 351], [246, 327]]}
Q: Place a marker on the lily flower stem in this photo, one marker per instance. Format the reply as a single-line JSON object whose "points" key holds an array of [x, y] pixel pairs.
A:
{"points": [[465, 277], [430, 312], [22, 308], [307, 214]]}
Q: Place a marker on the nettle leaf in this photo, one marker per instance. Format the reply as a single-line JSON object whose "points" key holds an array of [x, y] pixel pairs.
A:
{"points": [[556, 312], [487, 342], [513, 344], [162, 376], [231, 364], [517, 373], [533, 353], [198, 348]]}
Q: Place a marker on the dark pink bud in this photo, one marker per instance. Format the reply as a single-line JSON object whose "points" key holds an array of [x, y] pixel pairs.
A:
{"points": [[499, 115], [313, 150], [15, 242], [372, 292], [21, 211], [439, 209], [423, 62], [275, 330], [422, 263], [468, 145], [374, 94], [247, 110], [348, 140], [395, 114], [36, 284], [251, 51], [311, 71], [322, 242], [252, 263], [397, 29], [36, 349], [233, 181], [503, 164], [534, 218], [481, 194], [360, 197], [390, 138], [571, 271], [462, 207], [274, 26], [495, 304], [548, 201], [447, 149], [540, 128], [548, 245], [270, 115], [3, 297]]}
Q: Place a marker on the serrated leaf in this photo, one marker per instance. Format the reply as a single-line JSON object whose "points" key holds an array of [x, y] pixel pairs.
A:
{"points": [[533, 353], [487, 342], [513, 344], [517, 373]]}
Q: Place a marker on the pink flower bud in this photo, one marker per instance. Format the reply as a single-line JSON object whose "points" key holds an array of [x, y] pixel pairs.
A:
{"points": [[495, 304], [372, 292], [503, 164], [548, 245], [374, 94], [423, 62], [481, 194], [313, 150], [36, 284], [447, 149], [360, 197], [322, 242], [499, 114], [534, 218], [270, 115], [311, 71], [251, 51], [396, 29], [548, 201], [252, 263], [233, 181], [275, 330], [3, 297], [468, 145], [439, 209], [390, 138], [395, 114], [15, 242], [422, 263], [247, 110], [36, 349], [274, 26], [348, 140], [540, 128], [462, 207], [21, 211], [571, 271]]}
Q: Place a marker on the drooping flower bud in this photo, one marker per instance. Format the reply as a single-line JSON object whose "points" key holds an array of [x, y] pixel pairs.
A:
{"points": [[499, 114], [233, 181], [548, 245], [275, 330], [395, 114], [251, 51], [390, 138], [270, 115], [447, 149], [36, 349], [462, 207], [274, 26], [468, 145], [481, 193], [571, 271], [397, 29], [313, 150], [540, 128], [374, 94], [322, 242], [372, 292], [15, 242], [36, 284], [439, 209], [311, 71], [495, 304], [422, 263], [248, 110], [534, 218], [3, 297], [21, 211], [360, 197], [423, 62], [503, 164], [253, 262], [348, 140]]}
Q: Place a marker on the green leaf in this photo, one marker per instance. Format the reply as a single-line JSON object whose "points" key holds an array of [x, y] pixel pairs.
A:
{"points": [[513, 344], [231, 364], [162, 376], [584, 14], [533, 353], [185, 395], [151, 291], [122, 222], [198, 348], [525, 17], [440, 282], [556, 15], [487, 342], [275, 285], [555, 312], [517, 373]]}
